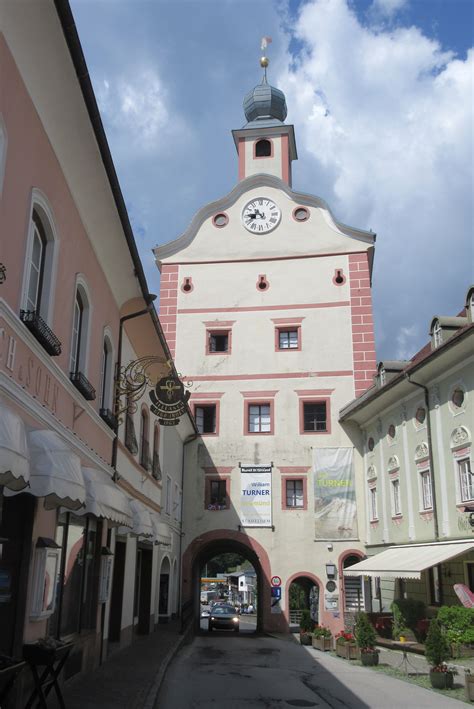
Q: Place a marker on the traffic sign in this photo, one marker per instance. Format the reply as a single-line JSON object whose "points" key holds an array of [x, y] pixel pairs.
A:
{"points": [[275, 581], [276, 592]]}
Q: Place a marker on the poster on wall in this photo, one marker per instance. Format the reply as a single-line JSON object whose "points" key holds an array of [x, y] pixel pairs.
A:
{"points": [[334, 494], [256, 496]]}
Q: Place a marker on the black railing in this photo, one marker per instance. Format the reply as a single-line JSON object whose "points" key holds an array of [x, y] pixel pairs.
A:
{"points": [[156, 467], [109, 418], [130, 437], [83, 385], [145, 460], [43, 333]]}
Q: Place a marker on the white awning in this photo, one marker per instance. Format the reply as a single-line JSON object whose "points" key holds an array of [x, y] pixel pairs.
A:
{"points": [[142, 525], [105, 499], [14, 456], [162, 532], [56, 471], [408, 561]]}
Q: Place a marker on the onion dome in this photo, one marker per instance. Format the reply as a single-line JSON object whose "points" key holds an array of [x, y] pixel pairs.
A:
{"points": [[265, 102]]}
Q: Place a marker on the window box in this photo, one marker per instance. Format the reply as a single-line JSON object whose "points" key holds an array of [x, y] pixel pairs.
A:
{"points": [[109, 418], [43, 333], [83, 385]]}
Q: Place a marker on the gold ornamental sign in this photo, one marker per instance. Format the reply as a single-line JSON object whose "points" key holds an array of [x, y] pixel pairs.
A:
{"points": [[168, 400]]}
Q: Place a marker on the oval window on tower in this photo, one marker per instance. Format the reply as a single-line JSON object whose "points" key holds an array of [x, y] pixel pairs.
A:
{"points": [[263, 149]]}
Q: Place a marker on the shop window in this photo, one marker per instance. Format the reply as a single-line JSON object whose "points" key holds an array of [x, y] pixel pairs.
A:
{"points": [[76, 607], [205, 416], [466, 480], [315, 417]]}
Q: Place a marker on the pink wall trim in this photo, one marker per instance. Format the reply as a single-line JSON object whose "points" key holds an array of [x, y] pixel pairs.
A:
{"points": [[361, 316], [295, 257], [241, 149], [304, 480], [197, 395], [207, 491], [279, 375], [302, 402], [294, 469], [313, 392], [261, 394], [285, 160], [255, 308], [287, 321], [263, 157], [218, 323], [207, 402], [285, 328], [257, 401], [218, 470], [270, 622], [221, 331]]}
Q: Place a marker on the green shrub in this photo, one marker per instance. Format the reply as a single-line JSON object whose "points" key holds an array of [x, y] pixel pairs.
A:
{"points": [[412, 610], [364, 631], [458, 623], [321, 631], [399, 622], [306, 622], [436, 645]]}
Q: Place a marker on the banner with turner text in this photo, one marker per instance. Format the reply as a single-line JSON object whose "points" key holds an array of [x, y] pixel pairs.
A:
{"points": [[334, 494]]}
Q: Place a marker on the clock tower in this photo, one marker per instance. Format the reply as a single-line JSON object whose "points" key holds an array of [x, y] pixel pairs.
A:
{"points": [[265, 301]]}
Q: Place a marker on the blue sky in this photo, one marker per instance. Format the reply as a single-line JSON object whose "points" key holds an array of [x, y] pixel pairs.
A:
{"points": [[380, 93]]}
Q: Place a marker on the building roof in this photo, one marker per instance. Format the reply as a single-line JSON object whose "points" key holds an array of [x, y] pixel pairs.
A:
{"points": [[265, 103]]}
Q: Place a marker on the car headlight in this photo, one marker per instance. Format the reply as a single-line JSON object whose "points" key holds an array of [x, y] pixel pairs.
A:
{"points": [[236, 620], [212, 618]]}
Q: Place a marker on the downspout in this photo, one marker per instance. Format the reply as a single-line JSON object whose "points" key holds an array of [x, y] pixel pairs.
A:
{"points": [[430, 452], [190, 439]]}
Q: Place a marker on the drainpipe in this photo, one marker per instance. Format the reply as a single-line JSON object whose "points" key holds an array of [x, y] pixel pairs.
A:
{"points": [[430, 452], [190, 439], [149, 300]]}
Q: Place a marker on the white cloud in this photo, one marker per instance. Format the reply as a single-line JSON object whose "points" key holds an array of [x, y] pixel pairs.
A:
{"points": [[388, 8], [385, 121], [405, 342]]}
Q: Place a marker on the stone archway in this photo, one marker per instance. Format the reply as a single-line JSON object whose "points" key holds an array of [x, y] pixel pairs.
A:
{"points": [[210, 544], [304, 590]]}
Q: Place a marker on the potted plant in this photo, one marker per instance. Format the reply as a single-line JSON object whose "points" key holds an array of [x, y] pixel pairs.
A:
{"points": [[437, 652], [346, 646], [306, 628], [322, 638], [365, 636], [400, 631]]}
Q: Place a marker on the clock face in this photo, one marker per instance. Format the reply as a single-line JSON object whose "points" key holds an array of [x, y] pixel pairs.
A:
{"points": [[261, 215]]}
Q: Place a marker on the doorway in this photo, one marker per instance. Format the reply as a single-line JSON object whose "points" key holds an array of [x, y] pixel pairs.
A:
{"points": [[303, 595], [116, 596], [164, 591]]}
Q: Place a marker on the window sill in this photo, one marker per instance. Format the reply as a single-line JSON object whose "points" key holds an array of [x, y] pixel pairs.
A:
{"points": [[259, 433], [294, 509], [313, 433], [216, 509], [205, 435], [398, 516]]}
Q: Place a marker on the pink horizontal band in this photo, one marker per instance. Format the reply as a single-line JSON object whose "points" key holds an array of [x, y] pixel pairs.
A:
{"points": [[278, 375], [253, 308]]}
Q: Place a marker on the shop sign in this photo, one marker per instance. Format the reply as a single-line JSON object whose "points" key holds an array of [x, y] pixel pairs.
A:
{"points": [[331, 603], [169, 400], [256, 496]]}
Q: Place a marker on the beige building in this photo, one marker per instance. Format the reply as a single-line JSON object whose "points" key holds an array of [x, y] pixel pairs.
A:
{"points": [[266, 304], [413, 429]]}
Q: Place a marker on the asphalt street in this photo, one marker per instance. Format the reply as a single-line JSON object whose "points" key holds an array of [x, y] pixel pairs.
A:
{"points": [[250, 671]]}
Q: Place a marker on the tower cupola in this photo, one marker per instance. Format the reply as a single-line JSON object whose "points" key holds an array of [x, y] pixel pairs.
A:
{"points": [[265, 103]]}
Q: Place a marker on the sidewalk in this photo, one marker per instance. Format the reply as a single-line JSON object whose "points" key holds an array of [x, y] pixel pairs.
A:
{"points": [[131, 677]]}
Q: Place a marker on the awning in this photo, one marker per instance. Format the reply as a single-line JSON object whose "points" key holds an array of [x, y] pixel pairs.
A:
{"points": [[162, 533], [55, 471], [105, 499], [408, 561], [14, 456], [142, 525]]}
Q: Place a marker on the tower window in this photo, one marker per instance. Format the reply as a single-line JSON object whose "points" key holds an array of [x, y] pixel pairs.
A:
{"points": [[263, 149]]}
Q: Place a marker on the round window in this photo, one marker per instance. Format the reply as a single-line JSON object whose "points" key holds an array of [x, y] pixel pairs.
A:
{"points": [[391, 431], [371, 444], [420, 414], [220, 220], [301, 214], [458, 397]]}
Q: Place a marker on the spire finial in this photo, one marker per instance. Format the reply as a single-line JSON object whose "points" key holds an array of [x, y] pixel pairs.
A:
{"points": [[264, 61]]}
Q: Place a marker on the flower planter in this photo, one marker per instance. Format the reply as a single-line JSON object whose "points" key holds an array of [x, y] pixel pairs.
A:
{"points": [[369, 659], [38, 654], [441, 680], [347, 650], [305, 638], [322, 643], [459, 650]]}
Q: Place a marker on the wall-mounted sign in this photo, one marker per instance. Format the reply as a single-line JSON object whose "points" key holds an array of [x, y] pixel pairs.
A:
{"points": [[275, 598], [334, 494], [331, 586], [169, 400], [331, 603], [276, 592], [256, 496], [275, 581]]}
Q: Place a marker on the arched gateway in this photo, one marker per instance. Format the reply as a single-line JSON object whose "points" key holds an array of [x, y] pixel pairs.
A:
{"points": [[210, 544]]}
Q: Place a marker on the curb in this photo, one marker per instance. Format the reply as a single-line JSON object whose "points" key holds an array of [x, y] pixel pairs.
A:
{"points": [[152, 695]]}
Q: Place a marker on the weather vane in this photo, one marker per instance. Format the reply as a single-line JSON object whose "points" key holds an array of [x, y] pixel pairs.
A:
{"points": [[264, 61]]}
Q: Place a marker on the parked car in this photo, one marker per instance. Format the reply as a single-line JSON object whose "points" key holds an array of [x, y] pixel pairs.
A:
{"points": [[224, 617], [205, 611]]}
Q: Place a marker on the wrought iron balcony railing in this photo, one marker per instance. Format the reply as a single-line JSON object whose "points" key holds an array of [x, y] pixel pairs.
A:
{"points": [[43, 333], [130, 437], [83, 385], [109, 418], [156, 467]]}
